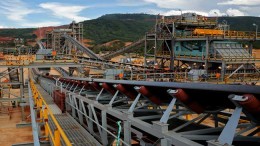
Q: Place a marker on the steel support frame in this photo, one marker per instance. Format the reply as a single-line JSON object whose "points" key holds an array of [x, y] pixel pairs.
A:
{"points": [[91, 116], [33, 119], [129, 121], [134, 122]]}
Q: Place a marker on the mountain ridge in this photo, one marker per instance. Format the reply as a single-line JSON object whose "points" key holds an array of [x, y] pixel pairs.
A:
{"points": [[128, 27]]}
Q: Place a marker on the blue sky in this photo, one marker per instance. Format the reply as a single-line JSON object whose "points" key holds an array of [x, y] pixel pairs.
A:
{"points": [[39, 13]]}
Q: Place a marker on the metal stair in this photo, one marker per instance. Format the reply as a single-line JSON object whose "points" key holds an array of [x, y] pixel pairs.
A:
{"points": [[14, 76]]}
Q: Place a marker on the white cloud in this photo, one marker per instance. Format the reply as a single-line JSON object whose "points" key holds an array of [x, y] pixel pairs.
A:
{"points": [[40, 24], [216, 12], [235, 12], [167, 3], [241, 2], [1, 26], [15, 10], [65, 11], [181, 4], [211, 7], [152, 11], [213, 12], [130, 3], [176, 12]]}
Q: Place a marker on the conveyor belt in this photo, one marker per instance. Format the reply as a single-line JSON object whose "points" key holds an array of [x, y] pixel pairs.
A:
{"points": [[124, 50], [76, 134], [209, 97], [204, 99], [86, 50], [62, 71]]}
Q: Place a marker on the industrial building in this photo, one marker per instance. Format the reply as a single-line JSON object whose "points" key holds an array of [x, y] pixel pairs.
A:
{"points": [[200, 42]]}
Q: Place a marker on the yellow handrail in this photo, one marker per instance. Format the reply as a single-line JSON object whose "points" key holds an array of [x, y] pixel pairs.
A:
{"points": [[59, 129]]}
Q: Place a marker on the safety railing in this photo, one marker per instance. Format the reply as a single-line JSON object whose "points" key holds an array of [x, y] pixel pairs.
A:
{"points": [[163, 53], [240, 34], [190, 55], [19, 60], [201, 21], [30, 60], [46, 113], [226, 34]]}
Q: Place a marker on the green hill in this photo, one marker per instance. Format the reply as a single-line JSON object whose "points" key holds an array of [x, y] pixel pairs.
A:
{"points": [[129, 27], [26, 33], [242, 23], [124, 27]]}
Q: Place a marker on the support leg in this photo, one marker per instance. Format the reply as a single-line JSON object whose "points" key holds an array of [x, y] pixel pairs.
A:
{"points": [[131, 109], [113, 99], [228, 133], [168, 111]]}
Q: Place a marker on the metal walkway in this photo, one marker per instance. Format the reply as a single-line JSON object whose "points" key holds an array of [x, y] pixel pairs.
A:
{"points": [[49, 100], [75, 133]]}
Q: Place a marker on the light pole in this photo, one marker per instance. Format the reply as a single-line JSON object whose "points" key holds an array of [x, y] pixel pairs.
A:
{"points": [[216, 17], [225, 27], [256, 29], [181, 14]]}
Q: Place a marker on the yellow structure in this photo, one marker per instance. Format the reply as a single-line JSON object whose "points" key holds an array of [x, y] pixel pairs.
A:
{"points": [[44, 113], [199, 31]]}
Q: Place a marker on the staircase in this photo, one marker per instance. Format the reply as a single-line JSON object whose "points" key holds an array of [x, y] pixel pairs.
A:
{"points": [[14, 76]]}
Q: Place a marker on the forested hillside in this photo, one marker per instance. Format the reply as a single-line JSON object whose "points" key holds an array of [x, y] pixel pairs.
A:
{"points": [[128, 27]]}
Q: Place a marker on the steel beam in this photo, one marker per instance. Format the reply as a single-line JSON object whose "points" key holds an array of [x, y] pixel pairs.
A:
{"points": [[232, 89], [33, 119], [43, 65], [228, 133]]}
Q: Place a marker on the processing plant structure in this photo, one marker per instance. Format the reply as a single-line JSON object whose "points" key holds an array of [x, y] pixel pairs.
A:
{"points": [[69, 109], [199, 42]]}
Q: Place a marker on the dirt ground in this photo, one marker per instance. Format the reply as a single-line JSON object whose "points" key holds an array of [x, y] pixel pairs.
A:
{"points": [[9, 134]]}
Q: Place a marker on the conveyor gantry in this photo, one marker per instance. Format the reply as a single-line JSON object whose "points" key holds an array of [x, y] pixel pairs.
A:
{"points": [[139, 106], [60, 128]]}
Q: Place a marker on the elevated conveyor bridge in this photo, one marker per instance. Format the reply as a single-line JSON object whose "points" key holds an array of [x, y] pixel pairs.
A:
{"points": [[60, 128], [148, 114]]}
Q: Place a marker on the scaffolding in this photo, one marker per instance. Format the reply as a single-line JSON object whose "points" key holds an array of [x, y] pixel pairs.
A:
{"points": [[55, 39]]}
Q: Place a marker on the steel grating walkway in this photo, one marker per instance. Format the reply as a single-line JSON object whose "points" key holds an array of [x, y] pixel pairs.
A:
{"points": [[73, 130]]}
